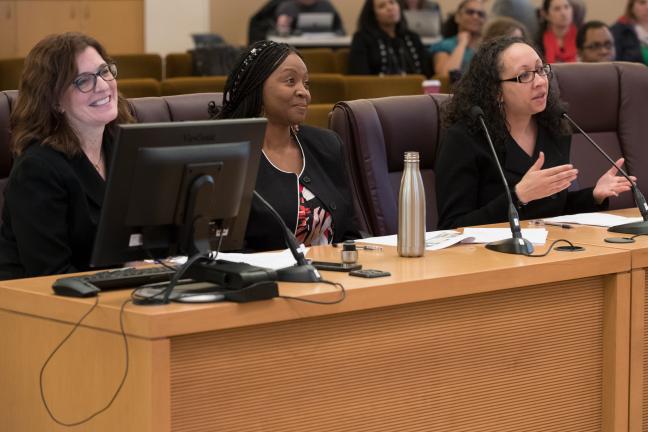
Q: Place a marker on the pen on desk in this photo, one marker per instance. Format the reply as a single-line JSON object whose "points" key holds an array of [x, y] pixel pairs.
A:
{"points": [[559, 224]]}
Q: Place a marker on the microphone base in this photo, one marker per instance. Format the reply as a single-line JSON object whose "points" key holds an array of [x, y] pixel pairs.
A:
{"points": [[517, 246], [638, 228], [298, 273]]}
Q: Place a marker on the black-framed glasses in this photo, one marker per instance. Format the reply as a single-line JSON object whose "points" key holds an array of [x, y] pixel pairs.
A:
{"points": [[86, 82], [595, 46], [528, 76], [480, 13]]}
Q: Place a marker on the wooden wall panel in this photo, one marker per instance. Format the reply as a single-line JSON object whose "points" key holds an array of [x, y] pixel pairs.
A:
{"points": [[524, 359]]}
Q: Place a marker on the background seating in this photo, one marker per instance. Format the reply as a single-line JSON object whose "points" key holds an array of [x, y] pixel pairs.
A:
{"points": [[139, 66], [374, 86], [178, 65], [10, 71], [185, 85], [139, 87]]}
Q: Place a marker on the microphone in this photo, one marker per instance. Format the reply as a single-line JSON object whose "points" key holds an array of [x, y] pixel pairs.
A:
{"points": [[640, 228], [517, 244], [300, 272]]}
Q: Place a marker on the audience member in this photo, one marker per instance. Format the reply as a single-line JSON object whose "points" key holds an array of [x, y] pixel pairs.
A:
{"points": [[631, 33], [288, 12], [432, 11], [521, 10], [302, 173], [595, 42], [62, 127], [263, 22], [504, 26], [384, 45], [511, 84], [454, 53], [557, 37]]}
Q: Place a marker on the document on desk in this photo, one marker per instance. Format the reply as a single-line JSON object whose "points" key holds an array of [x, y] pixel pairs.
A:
{"points": [[486, 235], [272, 260], [596, 219], [434, 240]]}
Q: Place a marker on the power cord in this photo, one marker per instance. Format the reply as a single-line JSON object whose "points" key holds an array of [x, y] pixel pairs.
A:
{"points": [[336, 301], [551, 247], [121, 384]]}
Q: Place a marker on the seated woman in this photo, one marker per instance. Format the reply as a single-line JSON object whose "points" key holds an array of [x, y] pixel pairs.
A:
{"points": [[631, 33], [383, 44], [62, 128], [509, 81], [557, 38], [504, 26], [452, 55], [302, 173]]}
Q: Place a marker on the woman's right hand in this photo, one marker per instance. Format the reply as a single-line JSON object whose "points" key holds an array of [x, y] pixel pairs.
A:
{"points": [[463, 38], [539, 183]]}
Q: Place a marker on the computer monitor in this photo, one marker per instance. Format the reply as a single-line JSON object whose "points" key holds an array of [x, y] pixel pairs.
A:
{"points": [[427, 23], [315, 22], [178, 188]]}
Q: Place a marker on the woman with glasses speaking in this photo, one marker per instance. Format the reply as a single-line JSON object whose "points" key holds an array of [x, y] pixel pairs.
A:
{"points": [[62, 125], [508, 80]]}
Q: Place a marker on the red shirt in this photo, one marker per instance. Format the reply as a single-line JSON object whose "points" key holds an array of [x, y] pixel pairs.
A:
{"points": [[554, 53]]}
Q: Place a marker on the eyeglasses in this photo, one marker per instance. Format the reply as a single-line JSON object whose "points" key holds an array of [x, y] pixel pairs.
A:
{"points": [[86, 82], [528, 76], [479, 13], [598, 45]]}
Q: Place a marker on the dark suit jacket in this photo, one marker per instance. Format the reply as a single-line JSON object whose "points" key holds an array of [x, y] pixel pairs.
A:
{"points": [[324, 174], [50, 215], [628, 47], [470, 190]]}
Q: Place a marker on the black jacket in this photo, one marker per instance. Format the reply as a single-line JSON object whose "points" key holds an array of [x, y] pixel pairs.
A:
{"points": [[377, 53], [626, 42], [50, 215], [470, 190], [324, 175]]}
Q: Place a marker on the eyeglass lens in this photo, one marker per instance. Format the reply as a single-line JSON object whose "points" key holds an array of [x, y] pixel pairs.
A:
{"points": [[86, 82]]}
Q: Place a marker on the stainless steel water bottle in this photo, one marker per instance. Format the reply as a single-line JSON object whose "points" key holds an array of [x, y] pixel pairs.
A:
{"points": [[411, 209]]}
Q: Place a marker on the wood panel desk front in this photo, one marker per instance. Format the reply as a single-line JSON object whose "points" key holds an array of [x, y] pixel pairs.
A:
{"points": [[462, 339], [588, 235]]}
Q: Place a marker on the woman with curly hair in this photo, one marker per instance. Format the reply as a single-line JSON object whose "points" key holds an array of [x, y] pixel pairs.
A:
{"points": [[509, 82]]}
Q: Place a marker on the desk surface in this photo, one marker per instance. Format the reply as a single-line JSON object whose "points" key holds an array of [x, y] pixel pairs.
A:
{"points": [[456, 271]]}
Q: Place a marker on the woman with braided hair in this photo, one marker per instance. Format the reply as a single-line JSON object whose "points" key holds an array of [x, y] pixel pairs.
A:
{"points": [[302, 172]]}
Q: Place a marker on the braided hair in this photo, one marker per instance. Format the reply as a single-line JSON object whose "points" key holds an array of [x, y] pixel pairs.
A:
{"points": [[243, 94]]}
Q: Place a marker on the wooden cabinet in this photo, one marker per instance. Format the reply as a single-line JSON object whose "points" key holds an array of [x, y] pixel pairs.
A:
{"points": [[8, 29], [117, 24]]}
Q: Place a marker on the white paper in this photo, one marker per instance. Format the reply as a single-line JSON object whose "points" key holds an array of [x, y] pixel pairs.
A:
{"points": [[434, 240], [486, 235], [272, 260], [596, 219]]}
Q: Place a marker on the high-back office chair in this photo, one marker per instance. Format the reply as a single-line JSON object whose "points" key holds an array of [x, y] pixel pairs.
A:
{"points": [[377, 133], [609, 101]]}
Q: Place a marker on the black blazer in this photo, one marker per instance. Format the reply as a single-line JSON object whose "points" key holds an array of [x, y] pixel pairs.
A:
{"points": [[626, 41], [50, 215], [324, 174], [367, 57], [470, 190]]}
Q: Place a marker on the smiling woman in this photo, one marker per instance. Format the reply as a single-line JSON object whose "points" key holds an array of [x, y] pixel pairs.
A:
{"points": [[509, 82], [62, 127], [302, 172]]}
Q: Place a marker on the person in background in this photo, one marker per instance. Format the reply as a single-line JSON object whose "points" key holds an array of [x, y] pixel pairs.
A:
{"points": [[426, 5], [521, 10], [504, 26], [62, 125], [557, 37], [595, 42], [302, 173], [288, 11], [631, 33], [384, 45], [508, 80], [454, 53]]}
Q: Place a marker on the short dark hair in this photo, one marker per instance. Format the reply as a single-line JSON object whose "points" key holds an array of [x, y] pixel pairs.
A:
{"points": [[481, 86], [582, 32], [367, 19], [49, 70], [243, 93]]}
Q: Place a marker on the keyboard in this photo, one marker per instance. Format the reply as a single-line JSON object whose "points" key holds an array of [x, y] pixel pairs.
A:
{"points": [[126, 277]]}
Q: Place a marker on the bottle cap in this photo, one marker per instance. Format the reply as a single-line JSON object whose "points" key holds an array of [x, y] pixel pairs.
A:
{"points": [[411, 156]]}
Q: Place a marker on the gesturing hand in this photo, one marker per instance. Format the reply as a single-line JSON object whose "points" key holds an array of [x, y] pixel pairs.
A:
{"points": [[610, 184], [539, 183]]}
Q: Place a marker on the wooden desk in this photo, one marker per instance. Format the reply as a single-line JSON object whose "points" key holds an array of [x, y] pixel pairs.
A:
{"points": [[587, 235], [462, 339]]}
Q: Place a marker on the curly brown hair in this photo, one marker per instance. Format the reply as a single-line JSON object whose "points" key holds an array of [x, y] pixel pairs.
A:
{"points": [[50, 67], [481, 86]]}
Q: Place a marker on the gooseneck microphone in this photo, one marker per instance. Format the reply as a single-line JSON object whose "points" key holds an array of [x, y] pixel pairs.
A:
{"points": [[640, 201], [517, 244], [300, 272]]}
